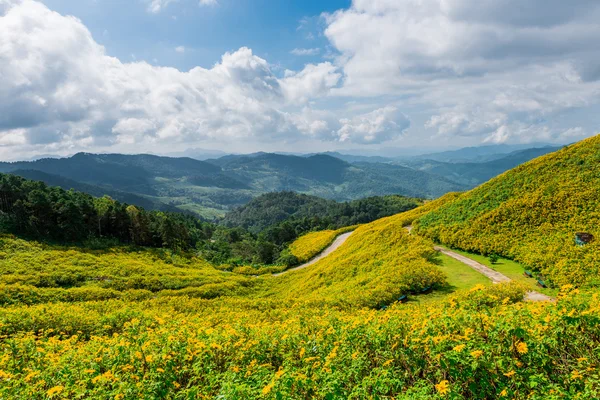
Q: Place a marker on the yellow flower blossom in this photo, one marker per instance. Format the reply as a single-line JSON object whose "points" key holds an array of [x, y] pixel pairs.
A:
{"points": [[55, 390], [477, 353], [522, 348], [443, 387], [459, 348], [267, 389], [509, 374]]}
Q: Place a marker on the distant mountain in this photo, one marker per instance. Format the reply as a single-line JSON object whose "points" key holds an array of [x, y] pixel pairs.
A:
{"points": [[475, 173], [96, 191], [213, 187], [356, 158], [332, 178], [479, 153], [197, 154]]}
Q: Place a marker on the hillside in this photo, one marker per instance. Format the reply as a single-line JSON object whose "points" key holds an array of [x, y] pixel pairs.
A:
{"points": [[212, 188], [479, 154], [136, 322], [531, 214], [96, 191], [473, 174], [272, 208]]}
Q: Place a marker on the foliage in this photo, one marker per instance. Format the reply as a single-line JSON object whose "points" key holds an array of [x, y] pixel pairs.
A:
{"points": [[531, 214], [308, 213], [33, 272], [376, 265], [308, 246], [185, 348], [215, 187], [475, 173]]}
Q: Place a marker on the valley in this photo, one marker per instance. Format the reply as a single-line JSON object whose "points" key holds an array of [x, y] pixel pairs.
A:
{"points": [[185, 318]]}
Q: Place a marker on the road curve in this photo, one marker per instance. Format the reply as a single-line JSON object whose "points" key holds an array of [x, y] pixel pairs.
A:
{"points": [[495, 276], [332, 247]]}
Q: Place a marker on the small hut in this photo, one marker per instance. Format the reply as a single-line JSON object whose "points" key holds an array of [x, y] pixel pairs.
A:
{"points": [[583, 238]]}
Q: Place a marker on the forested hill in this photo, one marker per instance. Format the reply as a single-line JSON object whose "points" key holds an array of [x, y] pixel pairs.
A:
{"points": [[35, 210], [211, 189], [314, 212], [531, 214]]}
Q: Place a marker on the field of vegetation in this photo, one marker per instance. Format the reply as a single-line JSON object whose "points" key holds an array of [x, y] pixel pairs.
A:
{"points": [[477, 345], [308, 246], [531, 214], [125, 321]]}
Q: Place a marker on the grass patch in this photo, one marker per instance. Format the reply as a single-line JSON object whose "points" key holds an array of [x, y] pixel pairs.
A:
{"points": [[459, 277], [511, 269]]}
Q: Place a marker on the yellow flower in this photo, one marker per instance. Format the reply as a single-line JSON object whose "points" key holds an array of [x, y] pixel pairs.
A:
{"points": [[459, 348], [267, 389], [302, 352], [509, 374], [522, 347], [119, 396], [477, 353], [504, 393], [576, 375], [54, 390], [443, 387]]}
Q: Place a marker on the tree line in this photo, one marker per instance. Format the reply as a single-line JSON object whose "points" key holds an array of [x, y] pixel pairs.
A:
{"points": [[33, 209]]}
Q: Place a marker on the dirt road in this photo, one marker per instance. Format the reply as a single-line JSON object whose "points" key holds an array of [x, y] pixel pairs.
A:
{"points": [[332, 247]]}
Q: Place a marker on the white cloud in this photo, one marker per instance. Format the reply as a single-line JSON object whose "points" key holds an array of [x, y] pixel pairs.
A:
{"points": [[377, 126], [180, 49], [305, 52], [482, 68], [63, 90]]}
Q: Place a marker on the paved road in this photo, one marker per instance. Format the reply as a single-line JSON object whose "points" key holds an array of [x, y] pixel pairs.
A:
{"points": [[495, 276], [332, 247]]}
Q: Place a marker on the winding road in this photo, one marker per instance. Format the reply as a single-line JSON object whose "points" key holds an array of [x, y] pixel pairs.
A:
{"points": [[332, 247], [495, 276]]}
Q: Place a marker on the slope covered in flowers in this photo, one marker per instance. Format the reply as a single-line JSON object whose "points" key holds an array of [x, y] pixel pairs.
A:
{"points": [[477, 345], [376, 265], [32, 272], [308, 246], [531, 214]]}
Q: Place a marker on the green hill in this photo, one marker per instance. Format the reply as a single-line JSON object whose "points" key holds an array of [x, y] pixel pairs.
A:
{"points": [[211, 189], [476, 173], [531, 214], [272, 208]]}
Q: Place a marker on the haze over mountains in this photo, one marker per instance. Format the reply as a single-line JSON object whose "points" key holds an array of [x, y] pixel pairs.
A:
{"points": [[212, 187]]}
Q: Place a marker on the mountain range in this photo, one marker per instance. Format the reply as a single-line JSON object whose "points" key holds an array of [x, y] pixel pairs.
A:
{"points": [[212, 187]]}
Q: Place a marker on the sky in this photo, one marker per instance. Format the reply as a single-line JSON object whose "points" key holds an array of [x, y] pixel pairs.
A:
{"points": [[369, 76]]}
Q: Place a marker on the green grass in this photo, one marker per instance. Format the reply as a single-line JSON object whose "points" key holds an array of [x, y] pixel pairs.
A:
{"points": [[460, 276], [511, 269]]}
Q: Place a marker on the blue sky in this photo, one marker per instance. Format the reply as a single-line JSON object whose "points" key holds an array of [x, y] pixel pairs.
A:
{"points": [[376, 76], [270, 28]]}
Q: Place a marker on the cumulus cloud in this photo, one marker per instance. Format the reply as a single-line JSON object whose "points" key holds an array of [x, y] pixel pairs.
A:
{"points": [[305, 52], [377, 126], [62, 89], [483, 68], [180, 49]]}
